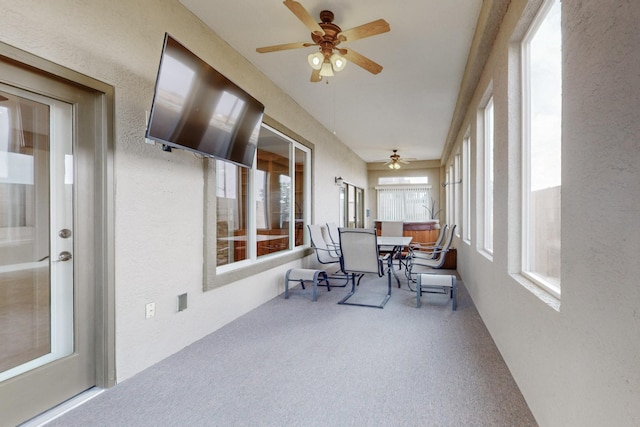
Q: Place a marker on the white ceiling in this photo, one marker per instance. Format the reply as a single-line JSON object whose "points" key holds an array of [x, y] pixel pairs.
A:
{"points": [[408, 106]]}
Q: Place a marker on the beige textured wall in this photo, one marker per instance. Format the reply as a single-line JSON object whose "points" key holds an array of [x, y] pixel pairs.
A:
{"points": [[575, 360], [158, 195]]}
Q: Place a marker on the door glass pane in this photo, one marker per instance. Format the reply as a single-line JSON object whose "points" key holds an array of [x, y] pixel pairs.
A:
{"points": [[351, 206], [342, 207], [36, 295], [359, 207]]}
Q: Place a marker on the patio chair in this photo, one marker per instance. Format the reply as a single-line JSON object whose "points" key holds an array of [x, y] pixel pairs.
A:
{"points": [[419, 263], [334, 234], [327, 254], [426, 248], [360, 255]]}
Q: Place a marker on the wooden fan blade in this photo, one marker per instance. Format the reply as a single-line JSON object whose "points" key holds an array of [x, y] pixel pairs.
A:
{"points": [[361, 61], [366, 30], [403, 161], [315, 76], [285, 46], [304, 16]]}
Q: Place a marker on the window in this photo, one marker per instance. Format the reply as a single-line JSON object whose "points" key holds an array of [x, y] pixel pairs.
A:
{"points": [[405, 203], [273, 193], [488, 121], [542, 96], [456, 192], [263, 210], [232, 183], [449, 194], [401, 180], [466, 189]]}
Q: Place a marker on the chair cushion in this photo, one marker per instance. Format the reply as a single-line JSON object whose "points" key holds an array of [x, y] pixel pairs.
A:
{"points": [[439, 280], [303, 274]]}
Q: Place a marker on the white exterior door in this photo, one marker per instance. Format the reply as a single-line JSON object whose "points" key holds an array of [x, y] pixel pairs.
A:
{"points": [[52, 228]]}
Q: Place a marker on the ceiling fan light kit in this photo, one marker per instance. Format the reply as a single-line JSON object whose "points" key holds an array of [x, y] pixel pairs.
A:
{"points": [[338, 62], [326, 70], [395, 160], [327, 36], [315, 60]]}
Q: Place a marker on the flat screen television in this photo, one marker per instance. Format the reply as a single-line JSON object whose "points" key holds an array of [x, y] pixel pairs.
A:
{"points": [[196, 108]]}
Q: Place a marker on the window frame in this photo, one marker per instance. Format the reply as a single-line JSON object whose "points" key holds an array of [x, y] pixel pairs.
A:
{"points": [[466, 188], [526, 241], [457, 193], [449, 194], [220, 275], [488, 135]]}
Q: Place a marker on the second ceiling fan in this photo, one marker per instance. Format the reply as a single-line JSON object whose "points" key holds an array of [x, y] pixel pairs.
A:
{"points": [[327, 36]]}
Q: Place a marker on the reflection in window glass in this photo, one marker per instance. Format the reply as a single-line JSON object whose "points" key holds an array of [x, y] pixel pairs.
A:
{"points": [[30, 334], [542, 57], [260, 186], [261, 210], [231, 221], [275, 182], [300, 201]]}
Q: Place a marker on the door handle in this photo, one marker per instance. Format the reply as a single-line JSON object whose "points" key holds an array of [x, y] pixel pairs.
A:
{"points": [[64, 256]]}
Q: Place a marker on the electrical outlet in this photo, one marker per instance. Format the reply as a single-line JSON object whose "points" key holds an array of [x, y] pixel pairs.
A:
{"points": [[150, 310]]}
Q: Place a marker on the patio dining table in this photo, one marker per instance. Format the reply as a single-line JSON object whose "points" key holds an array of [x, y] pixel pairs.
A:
{"points": [[398, 243]]}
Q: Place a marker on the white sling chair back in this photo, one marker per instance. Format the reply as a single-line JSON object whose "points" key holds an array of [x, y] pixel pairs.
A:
{"points": [[426, 250], [333, 233], [391, 228], [420, 263], [359, 249], [428, 246], [327, 254]]}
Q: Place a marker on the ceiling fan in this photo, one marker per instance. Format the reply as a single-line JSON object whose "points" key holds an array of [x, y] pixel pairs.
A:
{"points": [[395, 160], [327, 36]]}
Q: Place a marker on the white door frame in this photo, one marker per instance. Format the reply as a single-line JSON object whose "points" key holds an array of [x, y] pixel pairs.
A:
{"points": [[27, 71]]}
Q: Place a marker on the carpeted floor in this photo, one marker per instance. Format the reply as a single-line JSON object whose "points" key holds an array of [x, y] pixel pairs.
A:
{"points": [[299, 363]]}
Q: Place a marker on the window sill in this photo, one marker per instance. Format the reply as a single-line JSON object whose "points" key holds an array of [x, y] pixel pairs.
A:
{"points": [[486, 254], [542, 294], [232, 273]]}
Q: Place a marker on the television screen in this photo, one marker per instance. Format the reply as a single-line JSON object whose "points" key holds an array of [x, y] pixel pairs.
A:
{"points": [[196, 108]]}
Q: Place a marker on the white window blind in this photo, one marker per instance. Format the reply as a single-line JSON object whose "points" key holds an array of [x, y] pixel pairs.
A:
{"points": [[403, 203]]}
